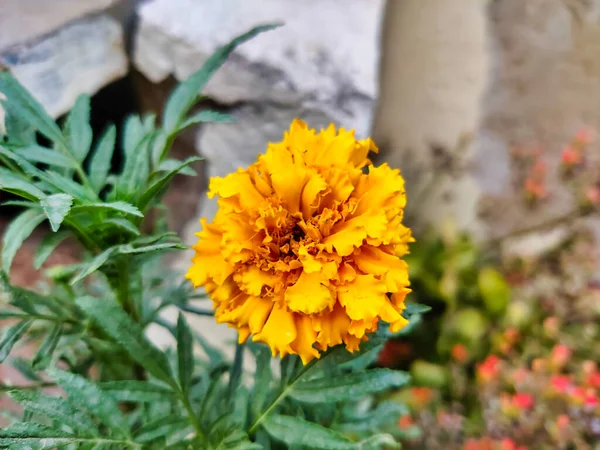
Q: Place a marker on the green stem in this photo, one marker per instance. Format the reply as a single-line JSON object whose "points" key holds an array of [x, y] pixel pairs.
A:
{"points": [[123, 290], [284, 392], [192, 415]]}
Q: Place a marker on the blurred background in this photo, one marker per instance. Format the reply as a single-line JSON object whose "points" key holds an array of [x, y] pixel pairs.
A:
{"points": [[491, 110]]}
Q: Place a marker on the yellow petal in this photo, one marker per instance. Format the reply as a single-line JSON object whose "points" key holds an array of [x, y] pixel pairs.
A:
{"points": [[378, 262], [303, 345], [311, 195], [251, 279], [309, 294], [279, 331], [363, 298], [331, 327]]}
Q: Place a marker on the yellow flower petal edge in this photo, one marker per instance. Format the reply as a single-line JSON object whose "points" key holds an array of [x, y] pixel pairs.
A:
{"points": [[305, 251]]}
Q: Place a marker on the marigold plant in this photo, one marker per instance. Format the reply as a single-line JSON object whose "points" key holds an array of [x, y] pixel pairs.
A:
{"points": [[305, 253], [305, 249]]}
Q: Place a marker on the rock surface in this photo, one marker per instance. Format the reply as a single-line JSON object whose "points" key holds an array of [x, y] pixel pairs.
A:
{"points": [[81, 57]]}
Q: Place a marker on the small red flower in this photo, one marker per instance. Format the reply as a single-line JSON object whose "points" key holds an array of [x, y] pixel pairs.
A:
{"points": [[593, 379], [509, 444], [522, 400], [460, 353], [405, 421], [570, 157], [562, 421], [584, 136], [488, 369], [561, 383], [560, 355], [592, 195]]}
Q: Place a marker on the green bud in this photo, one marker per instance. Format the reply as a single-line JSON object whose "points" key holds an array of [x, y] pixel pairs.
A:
{"points": [[428, 374], [470, 324], [519, 314]]}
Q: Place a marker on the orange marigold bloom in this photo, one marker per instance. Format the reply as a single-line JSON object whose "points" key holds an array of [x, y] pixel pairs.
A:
{"points": [[305, 250]]}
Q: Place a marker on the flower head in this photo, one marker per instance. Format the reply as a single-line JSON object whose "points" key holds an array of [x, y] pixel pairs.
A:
{"points": [[305, 250]]}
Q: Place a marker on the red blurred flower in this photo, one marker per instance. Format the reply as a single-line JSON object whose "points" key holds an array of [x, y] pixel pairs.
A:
{"points": [[522, 400], [584, 136], [488, 369], [592, 195], [593, 379], [405, 421], [560, 355], [392, 352], [460, 353], [422, 395], [562, 421], [570, 157], [509, 444], [561, 383]]}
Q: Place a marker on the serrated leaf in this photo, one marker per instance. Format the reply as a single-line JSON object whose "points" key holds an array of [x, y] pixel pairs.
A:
{"points": [[18, 130], [93, 265], [124, 207], [169, 165], [133, 133], [206, 116], [29, 436], [56, 207], [296, 431], [19, 185], [78, 129], [123, 224], [165, 426], [44, 354], [366, 358], [68, 186], [56, 409], [128, 249], [349, 386], [24, 368], [19, 297], [262, 380], [136, 391], [16, 233], [39, 154], [136, 171], [185, 354], [235, 374], [387, 412], [47, 246], [102, 159], [185, 94], [119, 326], [159, 186], [11, 335], [84, 393], [29, 109]]}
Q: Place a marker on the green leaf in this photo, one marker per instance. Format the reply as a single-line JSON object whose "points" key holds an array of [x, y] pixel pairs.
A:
{"points": [[165, 426], [129, 249], [68, 186], [416, 308], [33, 436], [19, 185], [123, 224], [349, 386], [185, 353], [44, 354], [16, 233], [296, 431], [366, 358], [387, 412], [172, 164], [495, 291], [56, 207], [29, 109], [56, 409], [47, 246], [204, 117], [185, 94], [262, 379], [84, 393], [136, 391], [19, 131], [133, 133], [78, 129], [159, 186], [124, 207], [93, 265], [37, 154], [235, 374], [102, 159], [10, 337], [109, 315]]}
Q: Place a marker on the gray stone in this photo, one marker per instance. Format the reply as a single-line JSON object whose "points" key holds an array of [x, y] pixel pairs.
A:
{"points": [[81, 57], [26, 20]]}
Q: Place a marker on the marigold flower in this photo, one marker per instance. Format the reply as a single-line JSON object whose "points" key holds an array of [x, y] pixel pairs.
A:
{"points": [[305, 249]]}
